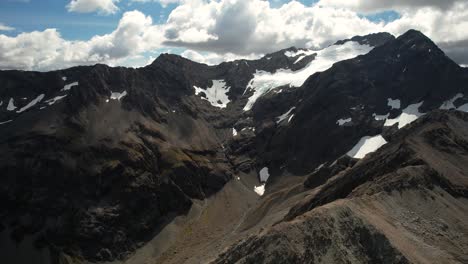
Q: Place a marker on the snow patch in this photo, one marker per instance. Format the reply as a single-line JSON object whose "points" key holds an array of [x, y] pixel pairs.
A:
{"points": [[263, 82], [394, 104], [319, 167], [234, 132], [285, 115], [366, 145], [31, 104], [408, 115], [260, 190], [216, 94], [447, 105], [69, 86], [380, 117], [55, 99], [248, 128], [264, 175], [341, 122], [5, 122], [11, 105], [118, 96], [463, 108]]}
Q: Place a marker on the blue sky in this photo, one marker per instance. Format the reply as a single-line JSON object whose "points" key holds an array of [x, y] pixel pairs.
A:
{"points": [[53, 34], [43, 14]]}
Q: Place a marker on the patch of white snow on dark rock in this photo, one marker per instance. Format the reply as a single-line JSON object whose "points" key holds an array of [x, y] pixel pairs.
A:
{"points": [[260, 190], [31, 104], [11, 105], [264, 174], [447, 105], [285, 116], [463, 108], [366, 145], [394, 104], [5, 122], [69, 86], [380, 117], [55, 99], [118, 96], [263, 82], [216, 94], [409, 115], [342, 121]]}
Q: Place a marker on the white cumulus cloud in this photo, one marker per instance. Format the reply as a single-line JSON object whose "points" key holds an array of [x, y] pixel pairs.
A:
{"points": [[164, 3], [4, 27], [367, 6], [245, 27], [47, 50], [89, 6]]}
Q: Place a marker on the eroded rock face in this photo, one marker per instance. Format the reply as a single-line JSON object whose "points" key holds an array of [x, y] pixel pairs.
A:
{"points": [[329, 235]]}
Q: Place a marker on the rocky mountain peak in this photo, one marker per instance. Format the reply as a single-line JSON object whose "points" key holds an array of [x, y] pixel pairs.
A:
{"points": [[375, 39]]}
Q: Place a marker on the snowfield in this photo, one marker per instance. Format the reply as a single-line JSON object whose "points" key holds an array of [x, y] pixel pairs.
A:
{"points": [[118, 96], [264, 174], [31, 104], [342, 122], [263, 82], [69, 86], [260, 190], [447, 105], [366, 145], [55, 99], [409, 115], [394, 104], [216, 94], [5, 122], [11, 105]]}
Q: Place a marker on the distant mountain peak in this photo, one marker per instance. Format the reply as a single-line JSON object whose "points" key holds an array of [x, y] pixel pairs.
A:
{"points": [[374, 39]]}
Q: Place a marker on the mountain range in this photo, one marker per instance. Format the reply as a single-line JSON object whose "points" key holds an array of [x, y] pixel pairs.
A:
{"points": [[356, 153]]}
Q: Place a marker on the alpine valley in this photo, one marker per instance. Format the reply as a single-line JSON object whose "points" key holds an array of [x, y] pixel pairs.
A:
{"points": [[356, 153]]}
